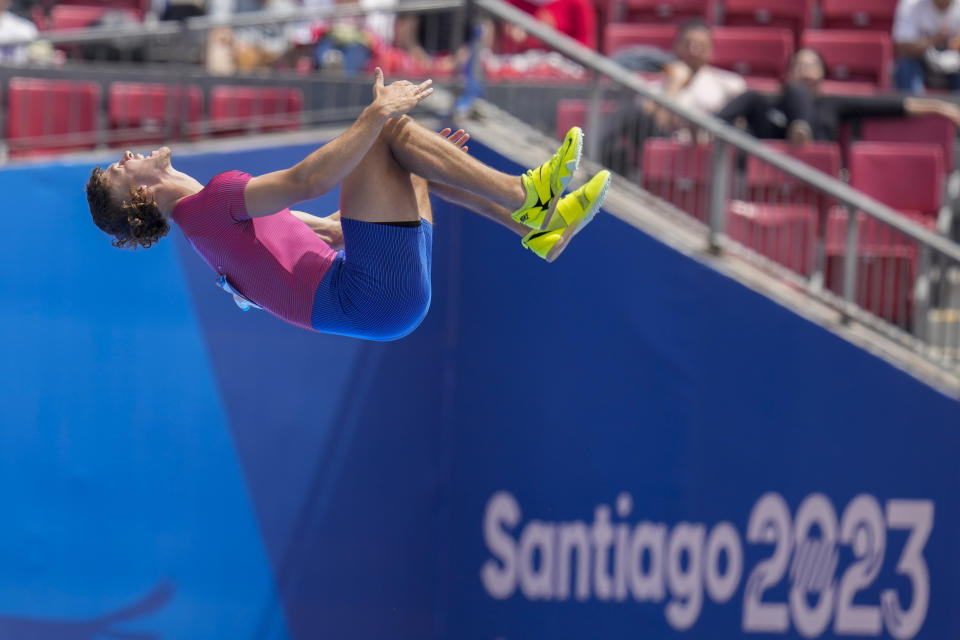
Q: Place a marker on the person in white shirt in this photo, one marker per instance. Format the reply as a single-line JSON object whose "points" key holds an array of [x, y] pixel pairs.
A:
{"points": [[926, 34], [691, 80], [14, 29]]}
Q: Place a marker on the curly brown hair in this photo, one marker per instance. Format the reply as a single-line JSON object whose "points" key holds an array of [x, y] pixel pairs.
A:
{"points": [[137, 223]]}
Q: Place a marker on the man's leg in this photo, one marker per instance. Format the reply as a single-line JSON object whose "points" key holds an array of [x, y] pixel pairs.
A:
{"points": [[379, 189], [424, 153], [479, 205]]}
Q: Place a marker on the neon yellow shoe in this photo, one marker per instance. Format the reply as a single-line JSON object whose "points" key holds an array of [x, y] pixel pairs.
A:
{"points": [[574, 212], [546, 183]]}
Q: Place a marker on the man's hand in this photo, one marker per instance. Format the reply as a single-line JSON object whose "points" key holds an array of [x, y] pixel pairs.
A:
{"points": [[397, 98], [457, 138]]}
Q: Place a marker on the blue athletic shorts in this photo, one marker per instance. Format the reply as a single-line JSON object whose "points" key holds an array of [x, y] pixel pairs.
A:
{"points": [[378, 287]]}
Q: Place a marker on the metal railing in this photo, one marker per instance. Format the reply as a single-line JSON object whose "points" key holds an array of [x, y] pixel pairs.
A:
{"points": [[892, 271], [889, 271]]}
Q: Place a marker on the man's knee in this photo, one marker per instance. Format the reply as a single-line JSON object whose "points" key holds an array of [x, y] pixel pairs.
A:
{"points": [[395, 128]]}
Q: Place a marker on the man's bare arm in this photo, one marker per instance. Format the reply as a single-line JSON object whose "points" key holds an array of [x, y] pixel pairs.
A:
{"points": [[328, 228], [326, 167]]}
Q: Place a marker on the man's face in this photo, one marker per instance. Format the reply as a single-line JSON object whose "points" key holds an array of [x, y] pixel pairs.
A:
{"points": [[135, 169], [695, 47]]}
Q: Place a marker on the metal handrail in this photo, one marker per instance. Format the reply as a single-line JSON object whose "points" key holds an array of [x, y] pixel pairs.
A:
{"points": [[592, 60]]}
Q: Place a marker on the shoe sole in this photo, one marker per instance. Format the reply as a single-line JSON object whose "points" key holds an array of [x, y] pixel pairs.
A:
{"points": [[571, 166], [570, 232]]}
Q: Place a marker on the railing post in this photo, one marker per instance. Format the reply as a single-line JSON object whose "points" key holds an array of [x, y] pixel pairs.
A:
{"points": [[593, 120], [921, 295], [850, 257], [718, 193]]}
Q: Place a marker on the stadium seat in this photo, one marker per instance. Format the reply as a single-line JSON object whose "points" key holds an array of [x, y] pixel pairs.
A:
{"points": [[79, 16], [855, 56], [784, 233], [51, 116], [886, 264], [753, 51], [140, 113], [681, 174], [661, 11], [926, 129], [766, 184], [235, 109], [788, 14], [620, 36], [874, 15], [573, 113], [903, 176]]}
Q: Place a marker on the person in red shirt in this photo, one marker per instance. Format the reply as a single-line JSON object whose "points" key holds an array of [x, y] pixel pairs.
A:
{"points": [[575, 18]]}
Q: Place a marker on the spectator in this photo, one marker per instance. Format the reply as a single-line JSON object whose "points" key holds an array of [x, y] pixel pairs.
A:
{"points": [[927, 38], [14, 29], [691, 81], [574, 18], [800, 113], [347, 44], [249, 48], [436, 41]]}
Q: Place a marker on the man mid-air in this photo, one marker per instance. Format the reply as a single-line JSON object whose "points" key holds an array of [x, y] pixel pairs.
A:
{"points": [[378, 286]]}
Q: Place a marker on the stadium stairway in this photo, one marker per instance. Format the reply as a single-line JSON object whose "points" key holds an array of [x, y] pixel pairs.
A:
{"points": [[516, 140]]}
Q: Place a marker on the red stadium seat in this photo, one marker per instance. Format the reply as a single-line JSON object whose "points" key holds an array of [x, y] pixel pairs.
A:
{"points": [[153, 113], [788, 14], [764, 183], [620, 36], [784, 233], [77, 16], [909, 178], [235, 109], [903, 176], [140, 5], [661, 11], [573, 113], [681, 174], [752, 51], [927, 129], [856, 56], [886, 264], [755, 52], [51, 116], [875, 15]]}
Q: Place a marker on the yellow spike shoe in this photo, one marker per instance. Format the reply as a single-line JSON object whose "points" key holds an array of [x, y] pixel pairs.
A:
{"points": [[574, 212], [546, 183]]}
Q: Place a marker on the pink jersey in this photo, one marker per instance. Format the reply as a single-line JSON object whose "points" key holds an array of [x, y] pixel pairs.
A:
{"points": [[275, 261]]}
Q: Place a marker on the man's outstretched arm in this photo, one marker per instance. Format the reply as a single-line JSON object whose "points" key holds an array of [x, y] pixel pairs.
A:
{"points": [[323, 169]]}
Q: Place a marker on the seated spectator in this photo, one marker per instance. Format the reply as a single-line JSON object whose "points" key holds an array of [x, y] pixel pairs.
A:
{"points": [[691, 81], [800, 113], [927, 38], [574, 18], [437, 41], [14, 29], [347, 44]]}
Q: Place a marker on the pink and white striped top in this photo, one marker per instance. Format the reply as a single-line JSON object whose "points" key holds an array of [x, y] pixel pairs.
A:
{"points": [[275, 261]]}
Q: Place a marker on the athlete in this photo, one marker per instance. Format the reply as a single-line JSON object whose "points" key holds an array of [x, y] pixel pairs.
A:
{"points": [[378, 286]]}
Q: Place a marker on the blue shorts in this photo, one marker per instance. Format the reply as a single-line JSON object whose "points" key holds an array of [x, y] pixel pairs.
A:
{"points": [[378, 287]]}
